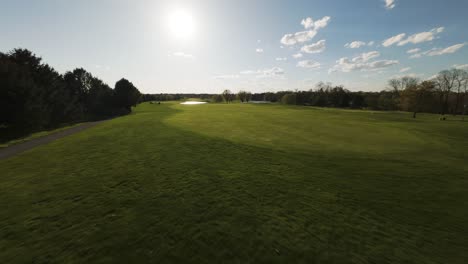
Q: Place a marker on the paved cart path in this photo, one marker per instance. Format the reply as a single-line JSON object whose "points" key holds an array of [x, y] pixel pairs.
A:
{"points": [[18, 148]]}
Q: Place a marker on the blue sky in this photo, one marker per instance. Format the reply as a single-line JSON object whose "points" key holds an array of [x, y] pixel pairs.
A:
{"points": [[241, 44]]}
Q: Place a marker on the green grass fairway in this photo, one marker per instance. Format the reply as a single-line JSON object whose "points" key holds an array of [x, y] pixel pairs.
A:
{"points": [[242, 183]]}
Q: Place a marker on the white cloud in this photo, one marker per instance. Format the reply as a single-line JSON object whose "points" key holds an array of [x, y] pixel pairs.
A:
{"points": [[418, 55], [432, 77], [415, 38], [183, 55], [413, 50], [393, 40], [299, 37], [405, 69], [438, 51], [460, 66], [228, 76], [448, 50], [275, 71], [248, 72], [321, 23], [304, 36], [413, 75], [355, 44], [317, 47], [297, 55], [422, 37], [389, 4], [259, 50], [362, 63], [307, 23], [281, 59], [364, 57], [308, 64]]}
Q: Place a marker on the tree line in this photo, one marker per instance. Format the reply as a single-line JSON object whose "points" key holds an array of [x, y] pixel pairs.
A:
{"points": [[445, 93], [34, 96], [161, 97]]}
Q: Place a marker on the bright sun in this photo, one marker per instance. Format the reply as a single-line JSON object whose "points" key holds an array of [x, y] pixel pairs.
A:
{"points": [[181, 24]]}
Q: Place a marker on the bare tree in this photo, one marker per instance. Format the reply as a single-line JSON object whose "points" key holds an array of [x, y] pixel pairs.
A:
{"points": [[464, 93], [398, 85], [242, 96], [445, 82], [416, 95], [227, 95], [248, 96], [461, 78]]}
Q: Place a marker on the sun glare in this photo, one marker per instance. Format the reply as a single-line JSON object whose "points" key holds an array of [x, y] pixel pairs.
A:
{"points": [[181, 24]]}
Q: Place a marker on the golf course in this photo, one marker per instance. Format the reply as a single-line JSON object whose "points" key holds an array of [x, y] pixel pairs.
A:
{"points": [[242, 183]]}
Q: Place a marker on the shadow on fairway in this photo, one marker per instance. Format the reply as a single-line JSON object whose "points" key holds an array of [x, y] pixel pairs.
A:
{"points": [[135, 189]]}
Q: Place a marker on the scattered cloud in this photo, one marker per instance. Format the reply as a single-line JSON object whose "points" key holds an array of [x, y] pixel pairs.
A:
{"points": [[228, 76], [322, 23], [392, 40], [297, 55], [183, 55], [413, 75], [364, 57], [317, 47], [438, 51], [389, 4], [460, 66], [405, 69], [308, 64], [247, 72], [309, 23], [299, 37], [411, 51], [448, 50], [304, 36], [362, 63], [422, 37], [432, 77], [273, 71], [414, 39], [357, 44], [281, 59], [269, 72], [259, 50]]}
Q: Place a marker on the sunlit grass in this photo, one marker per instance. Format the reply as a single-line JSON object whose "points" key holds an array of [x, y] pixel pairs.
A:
{"points": [[242, 183]]}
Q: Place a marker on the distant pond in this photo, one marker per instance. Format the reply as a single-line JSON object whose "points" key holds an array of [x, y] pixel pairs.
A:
{"points": [[192, 103]]}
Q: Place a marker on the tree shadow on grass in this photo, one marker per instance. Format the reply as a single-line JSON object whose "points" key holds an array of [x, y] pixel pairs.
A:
{"points": [[138, 190]]}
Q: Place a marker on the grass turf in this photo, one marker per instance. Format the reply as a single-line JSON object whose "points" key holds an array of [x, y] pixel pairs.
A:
{"points": [[242, 184]]}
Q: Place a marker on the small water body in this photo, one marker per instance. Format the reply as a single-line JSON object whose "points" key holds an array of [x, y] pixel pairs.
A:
{"points": [[192, 103], [260, 102]]}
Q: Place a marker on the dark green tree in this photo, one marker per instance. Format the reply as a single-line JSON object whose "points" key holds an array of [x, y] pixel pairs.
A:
{"points": [[126, 94]]}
